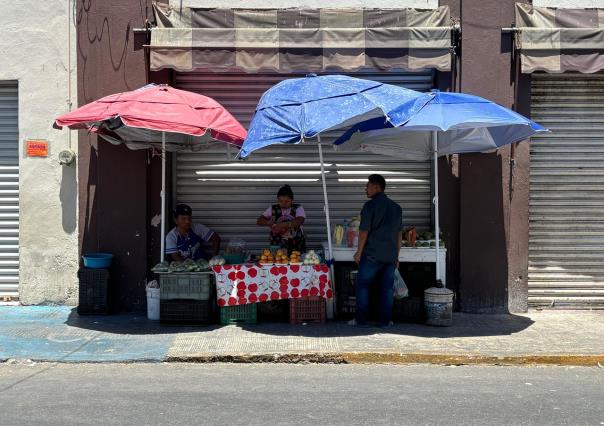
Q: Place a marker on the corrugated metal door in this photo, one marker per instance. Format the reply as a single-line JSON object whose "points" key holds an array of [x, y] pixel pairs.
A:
{"points": [[9, 191], [229, 195], [566, 246]]}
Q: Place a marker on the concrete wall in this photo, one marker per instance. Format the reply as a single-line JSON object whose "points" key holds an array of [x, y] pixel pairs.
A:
{"points": [[35, 38]]}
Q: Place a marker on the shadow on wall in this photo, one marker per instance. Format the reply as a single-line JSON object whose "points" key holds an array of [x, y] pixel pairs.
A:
{"points": [[483, 249], [68, 197]]}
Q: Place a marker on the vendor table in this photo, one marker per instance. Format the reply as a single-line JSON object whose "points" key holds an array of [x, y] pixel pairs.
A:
{"points": [[407, 254], [252, 283]]}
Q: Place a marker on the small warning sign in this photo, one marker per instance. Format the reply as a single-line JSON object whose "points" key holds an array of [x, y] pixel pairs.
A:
{"points": [[36, 148]]}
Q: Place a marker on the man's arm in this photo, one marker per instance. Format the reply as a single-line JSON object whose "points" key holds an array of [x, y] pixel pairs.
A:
{"points": [[176, 257], [362, 241], [215, 241]]}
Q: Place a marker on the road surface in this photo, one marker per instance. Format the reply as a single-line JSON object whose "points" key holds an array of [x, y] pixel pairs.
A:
{"points": [[163, 394]]}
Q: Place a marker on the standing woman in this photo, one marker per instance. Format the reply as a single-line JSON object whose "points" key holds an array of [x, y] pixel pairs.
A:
{"points": [[285, 220]]}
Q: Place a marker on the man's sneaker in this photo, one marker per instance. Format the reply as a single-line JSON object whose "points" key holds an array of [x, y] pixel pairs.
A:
{"points": [[352, 322]]}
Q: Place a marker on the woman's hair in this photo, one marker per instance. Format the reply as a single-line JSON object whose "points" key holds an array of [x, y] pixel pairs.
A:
{"points": [[285, 191]]}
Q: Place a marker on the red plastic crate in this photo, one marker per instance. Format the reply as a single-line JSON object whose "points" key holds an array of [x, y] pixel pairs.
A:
{"points": [[307, 310]]}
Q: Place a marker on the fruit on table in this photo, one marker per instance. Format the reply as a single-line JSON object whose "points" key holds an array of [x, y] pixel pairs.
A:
{"points": [[281, 257], [267, 256], [295, 257], [312, 258]]}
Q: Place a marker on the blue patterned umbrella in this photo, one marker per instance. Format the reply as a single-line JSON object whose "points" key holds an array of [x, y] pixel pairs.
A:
{"points": [[303, 108], [450, 123]]}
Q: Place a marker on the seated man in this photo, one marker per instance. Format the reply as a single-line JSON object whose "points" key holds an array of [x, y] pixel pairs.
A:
{"points": [[185, 240]]}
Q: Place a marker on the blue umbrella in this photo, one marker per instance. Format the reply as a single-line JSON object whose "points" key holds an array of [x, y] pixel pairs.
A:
{"points": [[303, 108], [450, 123]]}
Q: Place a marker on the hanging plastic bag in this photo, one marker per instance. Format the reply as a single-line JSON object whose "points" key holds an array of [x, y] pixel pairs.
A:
{"points": [[400, 288]]}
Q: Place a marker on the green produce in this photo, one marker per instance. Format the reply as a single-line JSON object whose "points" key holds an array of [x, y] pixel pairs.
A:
{"points": [[161, 267]]}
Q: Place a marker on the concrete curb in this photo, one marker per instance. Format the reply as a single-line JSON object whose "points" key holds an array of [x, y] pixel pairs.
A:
{"points": [[397, 358]]}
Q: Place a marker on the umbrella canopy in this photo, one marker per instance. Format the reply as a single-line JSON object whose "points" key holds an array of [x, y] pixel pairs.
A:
{"points": [[464, 123], [157, 116], [451, 123], [139, 118], [302, 108]]}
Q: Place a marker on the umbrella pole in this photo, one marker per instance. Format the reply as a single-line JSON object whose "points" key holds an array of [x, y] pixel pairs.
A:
{"points": [[436, 212], [326, 207], [329, 256], [163, 196]]}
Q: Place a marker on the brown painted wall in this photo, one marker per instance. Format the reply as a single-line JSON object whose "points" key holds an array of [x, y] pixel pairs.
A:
{"points": [[493, 217], [113, 180]]}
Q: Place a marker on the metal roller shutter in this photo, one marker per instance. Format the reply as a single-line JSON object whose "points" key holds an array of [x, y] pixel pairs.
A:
{"points": [[229, 195], [9, 191], [566, 245]]}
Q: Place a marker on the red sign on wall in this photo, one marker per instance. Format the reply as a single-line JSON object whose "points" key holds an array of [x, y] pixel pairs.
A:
{"points": [[36, 148]]}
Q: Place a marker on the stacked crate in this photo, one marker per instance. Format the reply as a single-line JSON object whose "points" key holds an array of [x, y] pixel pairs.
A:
{"points": [[186, 298], [240, 314], [93, 291], [346, 277], [310, 310]]}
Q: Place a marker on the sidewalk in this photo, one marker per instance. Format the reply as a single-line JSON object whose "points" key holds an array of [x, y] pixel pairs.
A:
{"points": [[58, 334]]}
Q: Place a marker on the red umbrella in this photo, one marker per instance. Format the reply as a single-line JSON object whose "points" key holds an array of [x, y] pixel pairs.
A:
{"points": [[157, 116]]}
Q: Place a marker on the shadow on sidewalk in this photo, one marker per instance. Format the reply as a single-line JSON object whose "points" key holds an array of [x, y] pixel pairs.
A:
{"points": [[464, 325], [135, 324]]}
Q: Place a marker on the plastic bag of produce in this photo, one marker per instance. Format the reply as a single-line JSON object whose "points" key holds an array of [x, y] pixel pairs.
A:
{"points": [[235, 246], [217, 261], [399, 287]]}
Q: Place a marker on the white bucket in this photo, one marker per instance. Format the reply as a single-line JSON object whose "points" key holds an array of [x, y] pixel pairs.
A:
{"points": [[153, 304], [438, 304]]}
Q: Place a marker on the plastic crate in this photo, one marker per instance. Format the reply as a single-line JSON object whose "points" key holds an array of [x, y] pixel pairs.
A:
{"points": [[241, 314], [346, 278], [409, 309], [307, 310], [194, 286], [93, 291], [186, 312]]}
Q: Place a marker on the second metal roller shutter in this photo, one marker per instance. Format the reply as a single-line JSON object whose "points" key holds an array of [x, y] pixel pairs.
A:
{"points": [[229, 195], [566, 239], [9, 191]]}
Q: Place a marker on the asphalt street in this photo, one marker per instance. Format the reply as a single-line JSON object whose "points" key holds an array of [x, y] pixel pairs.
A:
{"points": [[171, 393]]}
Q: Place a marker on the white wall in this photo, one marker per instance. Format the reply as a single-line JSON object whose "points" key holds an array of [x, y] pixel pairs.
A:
{"points": [[570, 4], [277, 4], [35, 41]]}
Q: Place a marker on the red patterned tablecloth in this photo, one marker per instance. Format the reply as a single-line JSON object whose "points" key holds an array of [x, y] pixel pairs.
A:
{"points": [[252, 283]]}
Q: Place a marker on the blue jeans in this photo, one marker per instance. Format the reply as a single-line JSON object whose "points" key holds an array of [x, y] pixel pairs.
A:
{"points": [[369, 270]]}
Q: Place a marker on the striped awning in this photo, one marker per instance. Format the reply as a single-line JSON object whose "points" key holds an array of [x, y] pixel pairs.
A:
{"points": [[287, 40], [559, 40]]}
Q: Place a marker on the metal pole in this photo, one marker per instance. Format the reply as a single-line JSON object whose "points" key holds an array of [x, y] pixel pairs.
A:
{"points": [[436, 213], [163, 196], [329, 256]]}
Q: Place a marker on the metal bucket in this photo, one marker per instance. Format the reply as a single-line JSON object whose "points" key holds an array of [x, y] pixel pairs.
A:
{"points": [[438, 305]]}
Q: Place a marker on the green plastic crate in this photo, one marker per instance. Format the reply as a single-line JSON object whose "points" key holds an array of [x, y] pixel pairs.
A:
{"points": [[241, 314], [193, 286]]}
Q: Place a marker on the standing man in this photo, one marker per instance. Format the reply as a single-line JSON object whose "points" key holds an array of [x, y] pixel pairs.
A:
{"points": [[185, 239], [380, 239]]}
